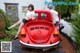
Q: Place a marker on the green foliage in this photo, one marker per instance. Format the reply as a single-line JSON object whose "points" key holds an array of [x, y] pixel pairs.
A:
{"points": [[64, 8], [76, 27], [10, 34], [6, 18]]}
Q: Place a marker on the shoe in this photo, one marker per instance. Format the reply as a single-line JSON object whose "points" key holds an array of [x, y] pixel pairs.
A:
{"points": [[7, 29], [60, 39], [15, 38]]}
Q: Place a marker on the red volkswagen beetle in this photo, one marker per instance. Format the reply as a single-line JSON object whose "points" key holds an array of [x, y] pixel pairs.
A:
{"points": [[40, 33]]}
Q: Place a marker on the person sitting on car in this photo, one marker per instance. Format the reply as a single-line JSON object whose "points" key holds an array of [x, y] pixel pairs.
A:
{"points": [[54, 14], [29, 15], [56, 19]]}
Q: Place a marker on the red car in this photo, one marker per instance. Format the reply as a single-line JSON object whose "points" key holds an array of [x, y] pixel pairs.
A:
{"points": [[40, 33]]}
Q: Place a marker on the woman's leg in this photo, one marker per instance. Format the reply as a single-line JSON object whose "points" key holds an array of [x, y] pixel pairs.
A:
{"points": [[15, 24], [19, 29], [61, 28]]}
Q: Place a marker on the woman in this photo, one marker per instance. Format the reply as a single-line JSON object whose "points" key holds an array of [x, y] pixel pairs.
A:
{"points": [[54, 14], [56, 17], [29, 15]]}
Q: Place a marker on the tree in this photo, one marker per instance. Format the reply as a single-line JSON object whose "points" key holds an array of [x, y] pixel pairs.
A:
{"points": [[63, 7], [4, 22]]}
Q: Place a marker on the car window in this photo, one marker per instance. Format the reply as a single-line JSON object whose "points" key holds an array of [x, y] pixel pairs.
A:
{"points": [[36, 15], [43, 15]]}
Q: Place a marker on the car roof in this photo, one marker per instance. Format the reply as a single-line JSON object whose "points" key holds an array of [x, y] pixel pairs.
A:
{"points": [[44, 11]]}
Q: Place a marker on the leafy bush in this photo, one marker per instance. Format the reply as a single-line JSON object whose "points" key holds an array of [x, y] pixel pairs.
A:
{"points": [[9, 34], [6, 18], [76, 27], [64, 8]]}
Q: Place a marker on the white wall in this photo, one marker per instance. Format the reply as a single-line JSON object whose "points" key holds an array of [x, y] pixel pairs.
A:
{"points": [[38, 4], [2, 5]]}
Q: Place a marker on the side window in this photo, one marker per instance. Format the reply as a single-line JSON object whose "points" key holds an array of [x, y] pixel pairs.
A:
{"points": [[43, 15], [36, 15]]}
